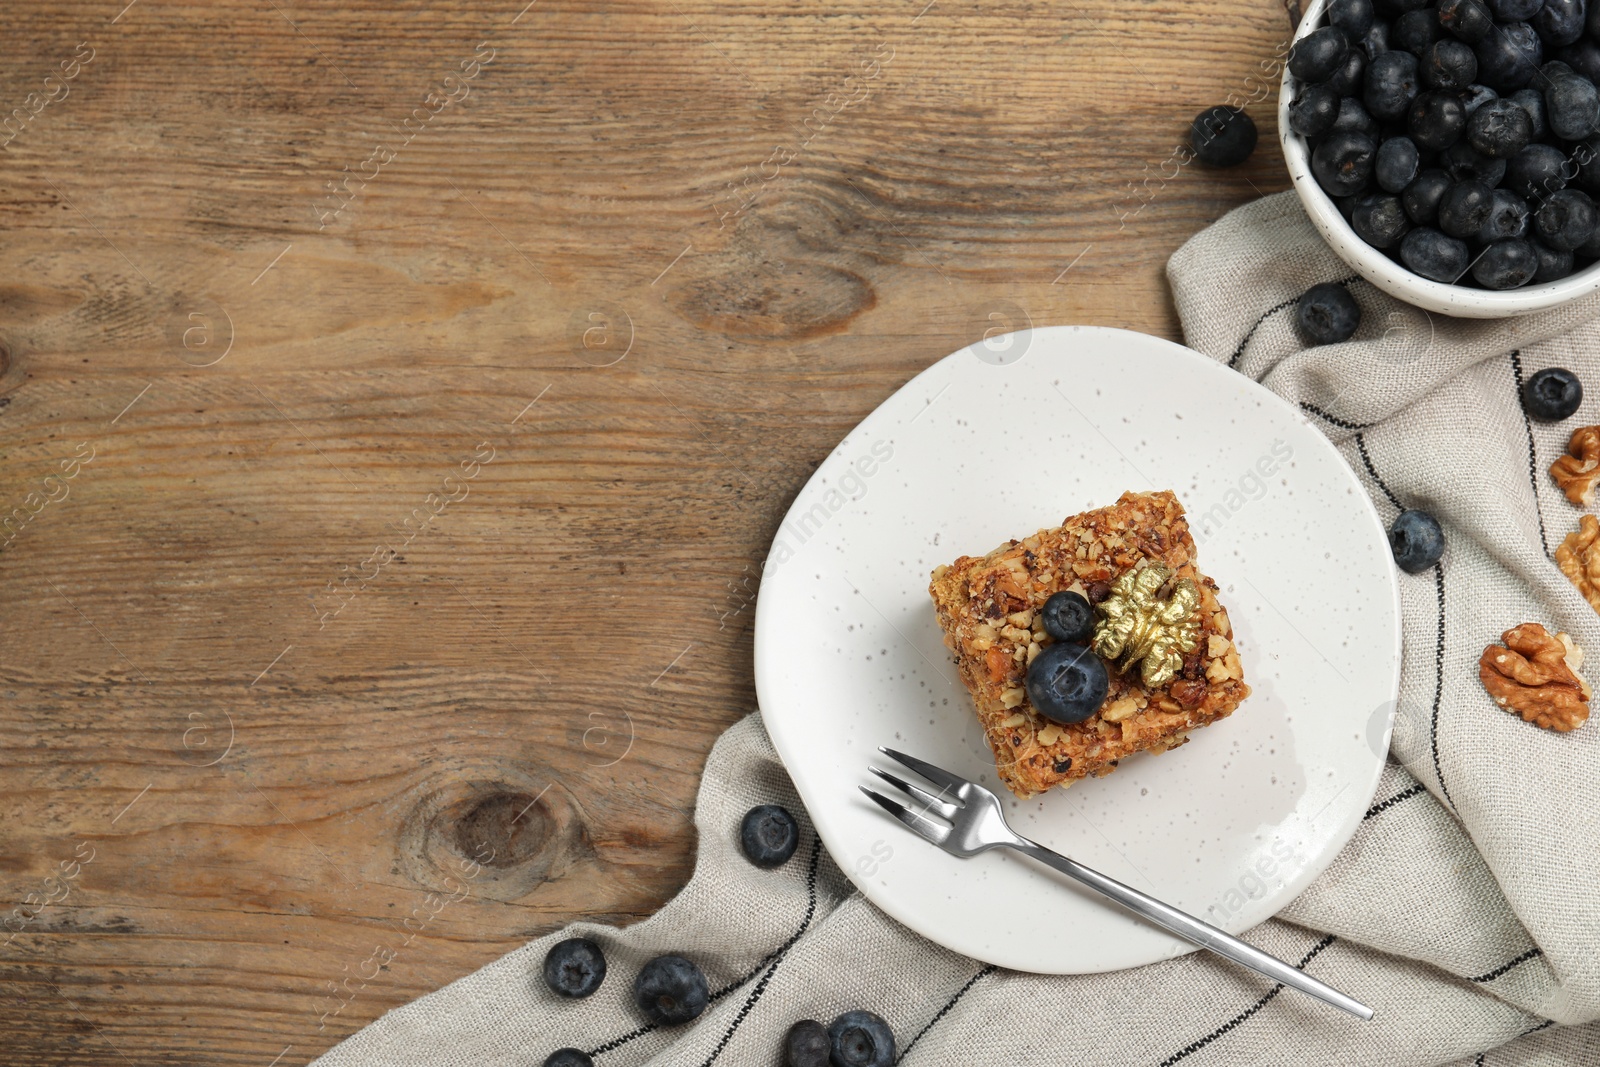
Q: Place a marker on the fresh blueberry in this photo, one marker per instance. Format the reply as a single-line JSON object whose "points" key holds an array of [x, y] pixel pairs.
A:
{"points": [[1354, 17], [1465, 208], [1506, 264], [806, 1045], [1354, 118], [1514, 10], [568, 1057], [1416, 540], [1067, 683], [1586, 164], [1566, 220], [1467, 20], [574, 967], [1066, 616], [1400, 7], [1342, 162], [1392, 82], [861, 1039], [1532, 101], [671, 990], [1508, 218], [1351, 74], [1316, 56], [1379, 219], [1433, 255], [1415, 31], [1421, 198], [1435, 119], [1475, 96], [1553, 265], [1398, 164], [1222, 136], [1590, 249], [1465, 163], [1552, 69], [1536, 172], [1346, 205], [1449, 64], [768, 835], [1552, 394], [1500, 129], [1572, 107], [1327, 314], [1313, 110], [1559, 22], [1508, 58], [1583, 56], [1375, 42]]}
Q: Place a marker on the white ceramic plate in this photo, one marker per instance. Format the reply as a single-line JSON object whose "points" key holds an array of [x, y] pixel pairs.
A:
{"points": [[997, 441]]}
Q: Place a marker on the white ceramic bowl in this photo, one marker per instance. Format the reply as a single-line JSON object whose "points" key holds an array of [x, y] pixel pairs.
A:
{"points": [[1387, 274]]}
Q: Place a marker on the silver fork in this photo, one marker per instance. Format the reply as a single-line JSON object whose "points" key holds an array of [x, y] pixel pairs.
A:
{"points": [[970, 821]]}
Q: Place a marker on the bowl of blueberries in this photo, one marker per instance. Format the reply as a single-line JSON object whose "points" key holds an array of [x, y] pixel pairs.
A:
{"points": [[1449, 150]]}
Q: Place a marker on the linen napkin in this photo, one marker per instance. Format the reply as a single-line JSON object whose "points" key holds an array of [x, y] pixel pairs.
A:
{"points": [[1466, 909]]}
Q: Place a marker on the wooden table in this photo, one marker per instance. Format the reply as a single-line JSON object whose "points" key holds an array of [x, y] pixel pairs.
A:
{"points": [[396, 403]]}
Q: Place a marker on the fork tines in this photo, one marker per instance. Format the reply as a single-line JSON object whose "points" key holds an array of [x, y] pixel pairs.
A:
{"points": [[936, 775], [929, 828]]}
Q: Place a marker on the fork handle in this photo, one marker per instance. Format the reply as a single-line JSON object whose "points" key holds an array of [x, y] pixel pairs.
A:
{"points": [[1193, 930]]}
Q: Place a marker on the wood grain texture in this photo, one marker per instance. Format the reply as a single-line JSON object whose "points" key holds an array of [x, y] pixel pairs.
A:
{"points": [[267, 675]]}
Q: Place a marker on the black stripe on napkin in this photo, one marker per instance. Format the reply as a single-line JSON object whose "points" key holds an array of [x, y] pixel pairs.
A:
{"points": [[1438, 653], [772, 958], [1341, 423], [776, 957], [1506, 966], [1534, 1030], [1438, 687], [1251, 1010], [1383, 806], [1533, 455], [1366, 459], [1237, 352], [986, 969]]}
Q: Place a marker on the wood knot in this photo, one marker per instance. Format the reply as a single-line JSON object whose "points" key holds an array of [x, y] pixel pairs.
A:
{"points": [[502, 830], [780, 274], [515, 830]]}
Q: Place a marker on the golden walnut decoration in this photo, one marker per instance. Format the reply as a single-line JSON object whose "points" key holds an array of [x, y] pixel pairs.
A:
{"points": [[1578, 556], [1535, 675], [1139, 626], [1577, 473]]}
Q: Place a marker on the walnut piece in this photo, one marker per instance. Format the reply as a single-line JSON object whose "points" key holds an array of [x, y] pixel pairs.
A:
{"points": [[1139, 626], [1577, 473], [1578, 556], [1536, 676]]}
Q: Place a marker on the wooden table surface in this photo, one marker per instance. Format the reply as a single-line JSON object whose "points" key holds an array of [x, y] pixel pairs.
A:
{"points": [[396, 403]]}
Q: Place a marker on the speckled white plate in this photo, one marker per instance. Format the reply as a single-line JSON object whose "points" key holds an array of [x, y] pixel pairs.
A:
{"points": [[996, 441]]}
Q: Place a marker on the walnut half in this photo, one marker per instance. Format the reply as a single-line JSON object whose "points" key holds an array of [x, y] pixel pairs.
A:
{"points": [[1578, 556], [1577, 473], [1536, 676]]}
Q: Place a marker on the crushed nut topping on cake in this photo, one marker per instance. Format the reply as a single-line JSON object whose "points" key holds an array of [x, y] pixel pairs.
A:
{"points": [[984, 605]]}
